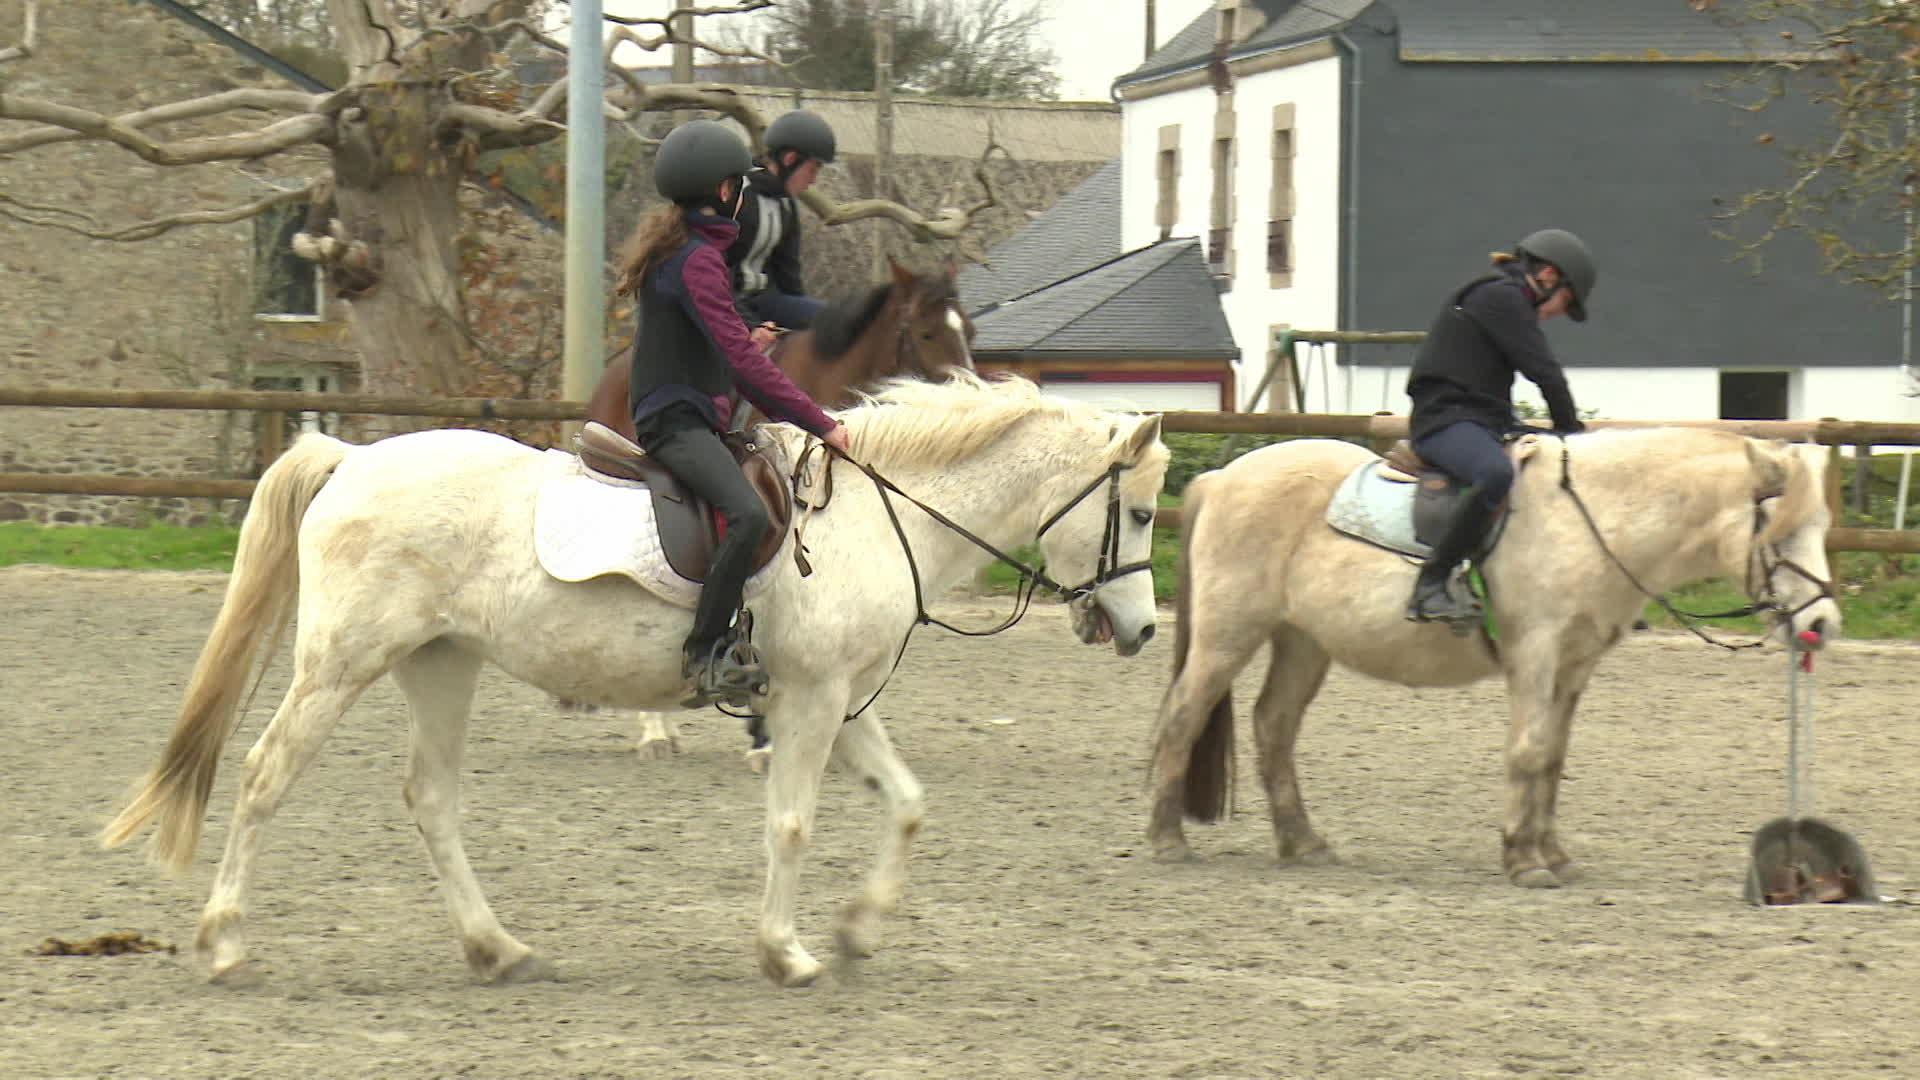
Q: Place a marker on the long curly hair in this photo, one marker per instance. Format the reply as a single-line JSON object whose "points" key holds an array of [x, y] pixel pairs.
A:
{"points": [[659, 234]]}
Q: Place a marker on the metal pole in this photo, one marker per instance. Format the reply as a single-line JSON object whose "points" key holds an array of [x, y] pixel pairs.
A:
{"points": [[586, 306], [883, 122], [1900, 502]]}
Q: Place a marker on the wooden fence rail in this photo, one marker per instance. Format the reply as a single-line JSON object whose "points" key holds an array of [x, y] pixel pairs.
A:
{"points": [[1377, 429]]}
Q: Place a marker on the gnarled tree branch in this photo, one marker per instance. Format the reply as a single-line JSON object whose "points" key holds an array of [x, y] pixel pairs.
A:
{"points": [[212, 104], [272, 139], [31, 214], [950, 224]]}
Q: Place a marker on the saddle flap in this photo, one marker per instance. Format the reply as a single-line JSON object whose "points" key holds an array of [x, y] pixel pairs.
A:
{"points": [[689, 533]]}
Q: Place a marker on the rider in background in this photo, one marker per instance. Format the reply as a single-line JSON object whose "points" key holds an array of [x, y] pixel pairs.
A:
{"points": [[690, 353], [1462, 390], [765, 261]]}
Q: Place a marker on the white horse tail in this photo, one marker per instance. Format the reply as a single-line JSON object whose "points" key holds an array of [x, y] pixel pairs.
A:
{"points": [[265, 581], [1209, 782]]}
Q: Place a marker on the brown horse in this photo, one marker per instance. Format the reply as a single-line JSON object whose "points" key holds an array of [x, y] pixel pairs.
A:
{"points": [[911, 325]]}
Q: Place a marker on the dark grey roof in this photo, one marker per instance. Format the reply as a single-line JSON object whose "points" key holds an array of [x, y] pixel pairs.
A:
{"points": [[1156, 301], [1613, 31], [1079, 230], [1289, 22]]}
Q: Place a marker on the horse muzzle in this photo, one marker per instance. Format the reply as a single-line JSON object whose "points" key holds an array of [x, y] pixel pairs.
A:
{"points": [[1093, 624]]}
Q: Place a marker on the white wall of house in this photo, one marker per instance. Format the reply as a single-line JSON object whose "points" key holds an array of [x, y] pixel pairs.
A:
{"points": [[1141, 396], [1691, 393], [1252, 307]]}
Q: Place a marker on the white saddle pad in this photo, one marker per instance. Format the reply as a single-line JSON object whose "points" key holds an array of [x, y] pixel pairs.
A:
{"points": [[586, 528], [1375, 504]]}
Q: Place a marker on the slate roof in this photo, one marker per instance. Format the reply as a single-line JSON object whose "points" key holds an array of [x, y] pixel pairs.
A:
{"points": [[1613, 31], [1157, 301], [1079, 230], [1289, 22]]}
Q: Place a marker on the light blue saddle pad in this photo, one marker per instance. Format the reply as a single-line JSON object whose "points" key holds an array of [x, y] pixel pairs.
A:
{"points": [[1375, 504]]}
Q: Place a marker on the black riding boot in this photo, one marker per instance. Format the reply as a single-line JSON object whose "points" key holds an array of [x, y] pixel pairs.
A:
{"points": [[1433, 598]]}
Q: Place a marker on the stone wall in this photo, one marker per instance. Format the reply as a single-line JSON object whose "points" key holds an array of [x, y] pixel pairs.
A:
{"points": [[174, 311], [177, 311]]}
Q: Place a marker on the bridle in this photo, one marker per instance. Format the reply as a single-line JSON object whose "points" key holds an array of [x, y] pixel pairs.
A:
{"points": [[1107, 567], [1765, 557]]}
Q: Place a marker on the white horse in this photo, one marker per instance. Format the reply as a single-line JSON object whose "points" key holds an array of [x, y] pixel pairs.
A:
{"points": [[415, 556], [1260, 565]]}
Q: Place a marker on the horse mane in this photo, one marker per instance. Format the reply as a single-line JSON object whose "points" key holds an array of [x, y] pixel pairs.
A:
{"points": [[913, 422], [841, 323], [1799, 498]]}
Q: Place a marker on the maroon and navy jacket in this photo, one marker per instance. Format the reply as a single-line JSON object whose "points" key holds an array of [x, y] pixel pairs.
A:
{"points": [[692, 346]]}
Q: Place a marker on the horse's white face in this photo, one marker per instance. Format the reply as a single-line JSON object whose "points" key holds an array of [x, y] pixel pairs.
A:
{"points": [[1787, 562], [1120, 609]]}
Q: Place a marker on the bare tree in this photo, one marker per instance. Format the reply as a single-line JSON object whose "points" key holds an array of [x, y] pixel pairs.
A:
{"points": [[1850, 188], [429, 88]]}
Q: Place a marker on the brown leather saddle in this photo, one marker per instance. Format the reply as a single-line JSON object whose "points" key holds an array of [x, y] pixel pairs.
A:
{"points": [[689, 529], [1437, 495]]}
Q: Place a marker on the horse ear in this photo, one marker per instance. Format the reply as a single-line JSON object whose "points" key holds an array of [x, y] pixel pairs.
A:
{"points": [[1772, 466], [1143, 437]]}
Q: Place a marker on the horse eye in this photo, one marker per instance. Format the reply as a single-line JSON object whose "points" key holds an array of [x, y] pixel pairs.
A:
{"points": [[1143, 517]]}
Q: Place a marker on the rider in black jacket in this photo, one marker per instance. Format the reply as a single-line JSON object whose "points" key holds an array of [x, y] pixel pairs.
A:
{"points": [[766, 259], [1462, 390]]}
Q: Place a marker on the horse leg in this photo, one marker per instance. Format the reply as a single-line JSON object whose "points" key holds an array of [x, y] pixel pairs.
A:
{"points": [[803, 725], [1568, 686], [438, 680], [659, 736], [322, 691], [1542, 694], [1185, 712], [1294, 673], [864, 751]]}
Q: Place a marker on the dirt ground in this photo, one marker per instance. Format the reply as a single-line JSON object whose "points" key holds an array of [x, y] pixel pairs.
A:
{"points": [[1036, 939]]}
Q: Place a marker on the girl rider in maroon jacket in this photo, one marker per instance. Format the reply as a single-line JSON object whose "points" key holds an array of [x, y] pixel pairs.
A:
{"points": [[690, 354], [1462, 389]]}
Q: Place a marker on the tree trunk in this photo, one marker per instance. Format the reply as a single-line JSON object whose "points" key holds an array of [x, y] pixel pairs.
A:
{"points": [[410, 328]]}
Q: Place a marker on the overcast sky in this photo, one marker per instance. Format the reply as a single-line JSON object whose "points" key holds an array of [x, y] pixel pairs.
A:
{"points": [[1096, 40]]}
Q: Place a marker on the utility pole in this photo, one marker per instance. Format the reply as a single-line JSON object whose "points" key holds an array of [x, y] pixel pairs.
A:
{"points": [[883, 122], [1149, 49], [586, 298]]}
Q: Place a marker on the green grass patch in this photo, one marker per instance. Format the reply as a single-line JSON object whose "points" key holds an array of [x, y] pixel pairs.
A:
{"points": [[110, 547]]}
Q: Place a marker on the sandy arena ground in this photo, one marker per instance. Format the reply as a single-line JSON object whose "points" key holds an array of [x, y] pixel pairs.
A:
{"points": [[1036, 940]]}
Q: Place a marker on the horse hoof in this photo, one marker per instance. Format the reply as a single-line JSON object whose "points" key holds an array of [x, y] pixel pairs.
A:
{"points": [[791, 968], [241, 976], [1537, 878], [1320, 856], [1179, 853], [530, 968]]}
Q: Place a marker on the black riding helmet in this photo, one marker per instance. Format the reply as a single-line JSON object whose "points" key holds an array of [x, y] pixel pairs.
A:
{"points": [[1568, 254], [695, 157], [803, 131]]}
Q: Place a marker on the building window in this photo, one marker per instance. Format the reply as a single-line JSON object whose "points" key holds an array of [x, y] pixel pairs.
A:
{"points": [[1754, 395], [1279, 247], [285, 286], [1220, 236], [1166, 212], [1280, 201], [273, 432]]}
